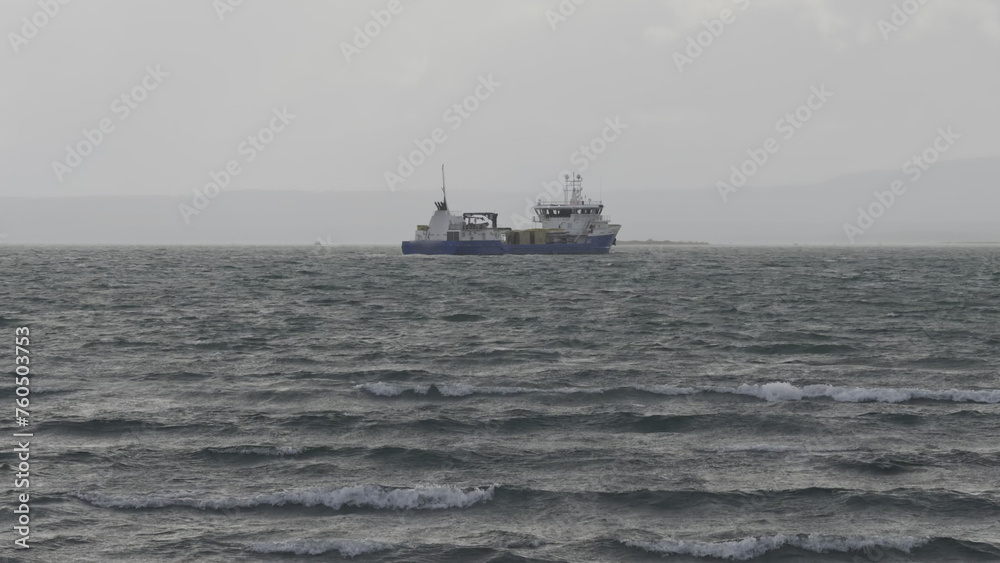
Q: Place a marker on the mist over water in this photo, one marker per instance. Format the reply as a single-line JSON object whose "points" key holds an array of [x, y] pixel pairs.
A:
{"points": [[695, 403]]}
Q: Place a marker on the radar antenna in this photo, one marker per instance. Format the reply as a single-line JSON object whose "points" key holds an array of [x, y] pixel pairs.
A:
{"points": [[574, 189]]}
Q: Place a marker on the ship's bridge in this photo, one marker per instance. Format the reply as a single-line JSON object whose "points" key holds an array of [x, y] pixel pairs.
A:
{"points": [[553, 210], [574, 216]]}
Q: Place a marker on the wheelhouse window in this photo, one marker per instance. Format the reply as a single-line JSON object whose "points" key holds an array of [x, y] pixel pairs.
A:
{"points": [[549, 212]]}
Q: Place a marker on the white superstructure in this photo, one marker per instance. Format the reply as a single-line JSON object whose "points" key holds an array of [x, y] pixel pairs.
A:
{"points": [[445, 225], [574, 216]]}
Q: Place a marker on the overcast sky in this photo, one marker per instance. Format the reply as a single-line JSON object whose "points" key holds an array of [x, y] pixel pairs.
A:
{"points": [[342, 109]]}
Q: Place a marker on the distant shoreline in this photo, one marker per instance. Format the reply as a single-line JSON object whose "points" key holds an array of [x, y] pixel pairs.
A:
{"points": [[658, 242]]}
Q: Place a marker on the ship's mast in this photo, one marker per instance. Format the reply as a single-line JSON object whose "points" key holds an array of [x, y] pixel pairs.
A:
{"points": [[443, 191], [574, 188], [442, 205]]}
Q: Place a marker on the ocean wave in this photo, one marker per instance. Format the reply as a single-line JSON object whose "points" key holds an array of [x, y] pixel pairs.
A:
{"points": [[751, 548], [349, 548], [772, 392], [362, 496], [463, 318], [105, 426], [783, 391], [665, 390], [900, 500], [258, 450], [783, 349], [383, 389], [40, 389], [757, 448]]}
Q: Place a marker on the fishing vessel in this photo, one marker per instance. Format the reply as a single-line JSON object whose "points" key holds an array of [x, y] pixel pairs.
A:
{"points": [[572, 226]]}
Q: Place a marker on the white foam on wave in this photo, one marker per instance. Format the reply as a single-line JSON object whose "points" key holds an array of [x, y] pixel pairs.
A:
{"points": [[783, 391], [348, 548], [392, 390], [362, 496], [760, 448], [463, 390], [750, 548], [261, 450], [771, 448], [666, 390]]}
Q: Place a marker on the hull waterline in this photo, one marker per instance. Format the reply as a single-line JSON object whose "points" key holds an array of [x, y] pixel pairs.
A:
{"points": [[595, 245]]}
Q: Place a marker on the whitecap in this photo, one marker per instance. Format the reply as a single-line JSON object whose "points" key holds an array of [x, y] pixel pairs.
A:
{"points": [[361, 496], [750, 548], [261, 450], [392, 390], [784, 391], [349, 548]]}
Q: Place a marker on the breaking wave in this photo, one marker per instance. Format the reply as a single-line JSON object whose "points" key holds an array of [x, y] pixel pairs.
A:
{"points": [[782, 391], [750, 548], [258, 450], [363, 496], [757, 448], [349, 548]]}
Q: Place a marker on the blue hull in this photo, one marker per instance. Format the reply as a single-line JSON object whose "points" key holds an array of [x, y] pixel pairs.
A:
{"points": [[594, 245]]}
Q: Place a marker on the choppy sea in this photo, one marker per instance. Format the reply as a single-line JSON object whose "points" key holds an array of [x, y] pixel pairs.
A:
{"points": [[655, 404]]}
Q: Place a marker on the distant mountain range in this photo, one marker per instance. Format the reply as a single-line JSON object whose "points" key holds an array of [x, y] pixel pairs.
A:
{"points": [[952, 202]]}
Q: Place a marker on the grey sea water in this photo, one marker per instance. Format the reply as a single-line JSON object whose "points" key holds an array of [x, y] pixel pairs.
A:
{"points": [[657, 403]]}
